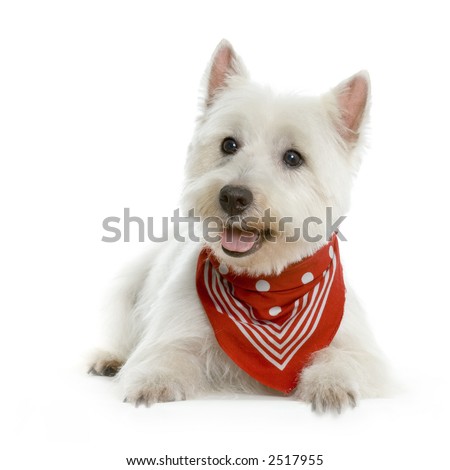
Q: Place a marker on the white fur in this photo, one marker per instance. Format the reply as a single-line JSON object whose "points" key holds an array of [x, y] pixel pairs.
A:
{"points": [[161, 334]]}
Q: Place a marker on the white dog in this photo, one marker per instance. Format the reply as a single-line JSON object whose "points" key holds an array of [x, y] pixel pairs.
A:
{"points": [[256, 308]]}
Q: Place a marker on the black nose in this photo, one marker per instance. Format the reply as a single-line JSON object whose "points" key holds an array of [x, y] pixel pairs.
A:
{"points": [[235, 199]]}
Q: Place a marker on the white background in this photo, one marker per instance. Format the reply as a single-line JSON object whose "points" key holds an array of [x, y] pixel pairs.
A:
{"points": [[97, 105]]}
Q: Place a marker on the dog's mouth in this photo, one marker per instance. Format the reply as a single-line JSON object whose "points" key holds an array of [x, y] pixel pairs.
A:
{"points": [[239, 241]]}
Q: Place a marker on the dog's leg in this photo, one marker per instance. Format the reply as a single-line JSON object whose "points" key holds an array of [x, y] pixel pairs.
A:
{"points": [[178, 356], [121, 322], [349, 369], [169, 364], [183, 368], [165, 372]]}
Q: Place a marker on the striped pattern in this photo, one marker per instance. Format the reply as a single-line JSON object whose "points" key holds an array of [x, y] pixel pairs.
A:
{"points": [[276, 343]]}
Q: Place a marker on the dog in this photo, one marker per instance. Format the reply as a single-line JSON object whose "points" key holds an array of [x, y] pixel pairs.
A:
{"points": [[254, 309]]}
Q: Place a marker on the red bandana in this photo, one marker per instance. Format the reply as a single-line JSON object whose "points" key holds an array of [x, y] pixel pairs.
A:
{"points": [[270, 326]]}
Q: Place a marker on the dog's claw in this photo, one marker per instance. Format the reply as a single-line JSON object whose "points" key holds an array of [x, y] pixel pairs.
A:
{"points": [[141, 401], [352, 399]]}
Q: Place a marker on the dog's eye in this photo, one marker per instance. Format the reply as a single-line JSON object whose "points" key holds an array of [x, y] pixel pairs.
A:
{"points": [[229, 146], [292, 158]]}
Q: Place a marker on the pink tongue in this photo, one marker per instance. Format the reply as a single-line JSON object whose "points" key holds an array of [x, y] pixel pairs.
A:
{"points": [[234, 239]]}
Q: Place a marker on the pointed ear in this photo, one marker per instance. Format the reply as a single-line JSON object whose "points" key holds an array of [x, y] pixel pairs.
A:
{"points": [[224, 65], [352, 97]]}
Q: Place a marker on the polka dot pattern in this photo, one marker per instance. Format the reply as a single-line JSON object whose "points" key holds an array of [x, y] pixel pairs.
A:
{"points": [[274, 311], [262, 286], [223, 269], [307, 277]]}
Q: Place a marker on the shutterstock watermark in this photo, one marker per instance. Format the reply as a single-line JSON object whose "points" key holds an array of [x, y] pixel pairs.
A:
{"points": [[212, 229]]}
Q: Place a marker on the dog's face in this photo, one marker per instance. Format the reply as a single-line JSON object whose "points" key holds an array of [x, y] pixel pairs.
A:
{"points": [[267, 166]]}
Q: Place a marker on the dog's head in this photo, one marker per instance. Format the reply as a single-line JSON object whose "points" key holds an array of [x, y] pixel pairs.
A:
{"points": [[265, 167]]}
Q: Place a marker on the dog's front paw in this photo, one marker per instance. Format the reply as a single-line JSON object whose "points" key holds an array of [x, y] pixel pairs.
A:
{"points": [[326, 390], [328, 398], [159, 390]]}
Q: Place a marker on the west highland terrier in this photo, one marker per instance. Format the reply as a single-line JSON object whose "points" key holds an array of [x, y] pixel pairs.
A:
{"points": [[261, 307]]}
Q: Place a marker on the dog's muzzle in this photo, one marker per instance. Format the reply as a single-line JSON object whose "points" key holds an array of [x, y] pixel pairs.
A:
{"points": [[238, 239]]}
